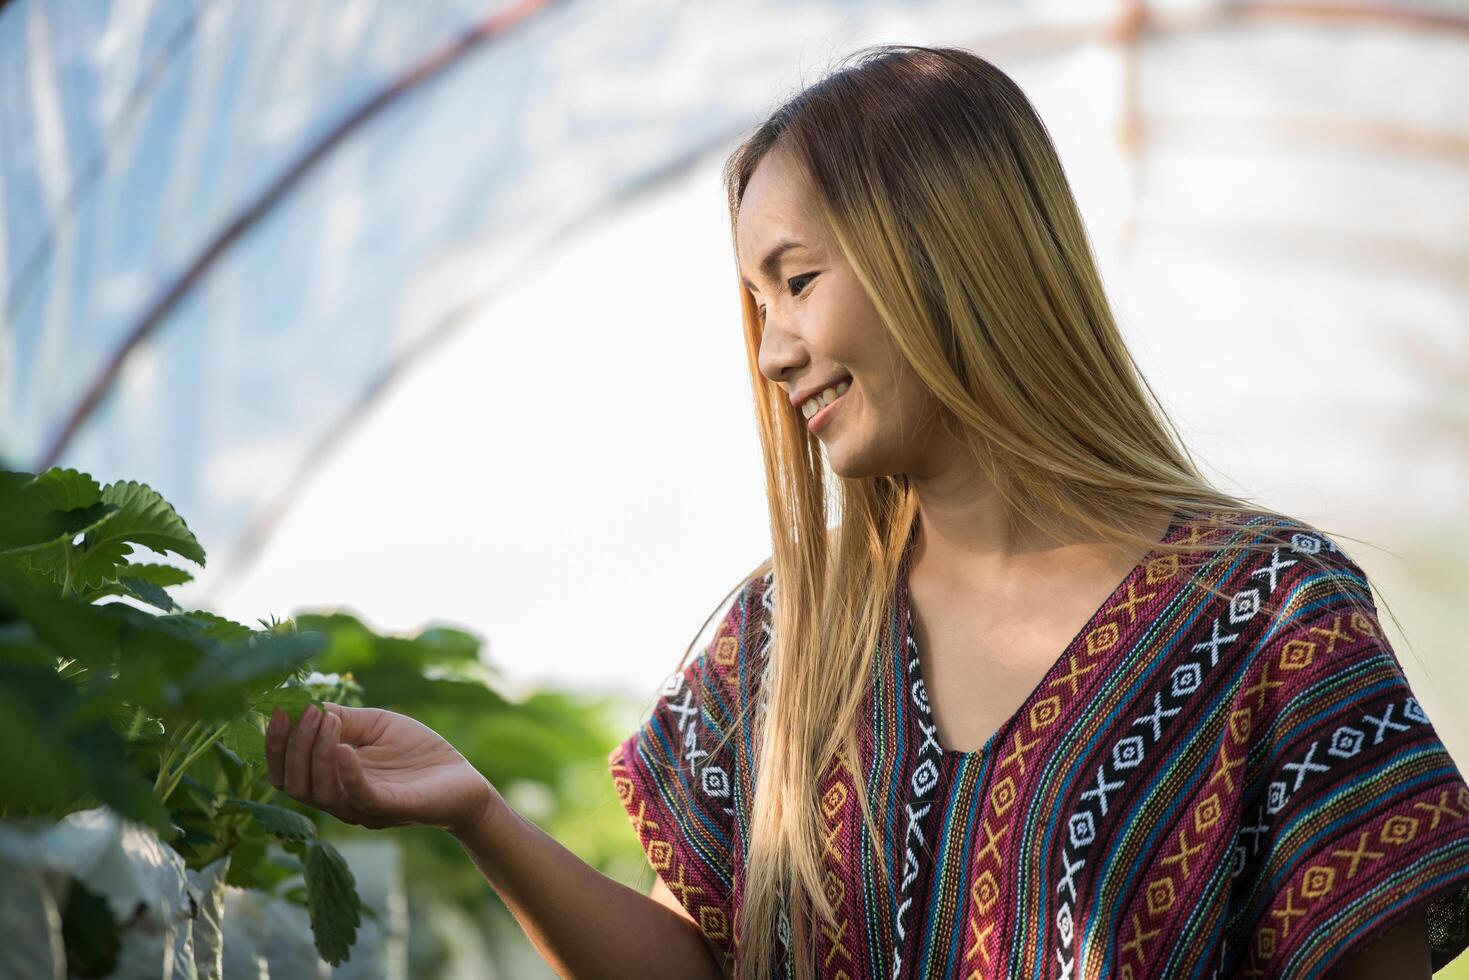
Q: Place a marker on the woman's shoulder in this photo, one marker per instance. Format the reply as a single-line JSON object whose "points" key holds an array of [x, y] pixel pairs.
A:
{"points": [[1292, 606], [1270, 593], [1279, 552]]}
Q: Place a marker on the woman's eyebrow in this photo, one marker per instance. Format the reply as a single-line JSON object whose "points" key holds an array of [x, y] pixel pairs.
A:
{"points": [[772, 261]]}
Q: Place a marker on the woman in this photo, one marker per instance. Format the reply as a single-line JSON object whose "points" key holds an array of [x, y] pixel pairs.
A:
{"points": [[1042, 702]]}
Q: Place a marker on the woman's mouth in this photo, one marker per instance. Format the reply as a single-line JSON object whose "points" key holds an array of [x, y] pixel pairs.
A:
{"points": [[819, 420]]}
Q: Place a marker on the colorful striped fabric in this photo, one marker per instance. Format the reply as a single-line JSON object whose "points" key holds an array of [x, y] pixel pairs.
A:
{"points": [[1196, 788]]}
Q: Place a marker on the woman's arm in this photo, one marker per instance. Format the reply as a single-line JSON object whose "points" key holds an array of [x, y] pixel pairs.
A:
{"points": [[582, 923], [377, 768], [663, 895]]}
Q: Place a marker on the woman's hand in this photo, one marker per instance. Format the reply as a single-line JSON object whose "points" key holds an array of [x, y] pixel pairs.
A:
{"points": [[375, 768]]}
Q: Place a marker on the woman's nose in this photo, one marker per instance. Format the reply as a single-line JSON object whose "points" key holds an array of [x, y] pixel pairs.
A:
{"points": [[780, 351]]}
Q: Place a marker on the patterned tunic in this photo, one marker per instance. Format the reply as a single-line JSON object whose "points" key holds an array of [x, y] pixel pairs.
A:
{"points": [[1196, 788]]}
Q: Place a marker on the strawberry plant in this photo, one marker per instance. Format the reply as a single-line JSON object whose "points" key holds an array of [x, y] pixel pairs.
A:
{"points": [[111, 695]]}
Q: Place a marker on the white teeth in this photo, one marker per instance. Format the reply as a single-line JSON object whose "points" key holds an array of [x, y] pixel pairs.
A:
{"points": [[816, 403]]}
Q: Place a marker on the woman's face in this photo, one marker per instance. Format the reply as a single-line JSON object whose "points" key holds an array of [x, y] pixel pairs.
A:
{"points": [[820, 327]]}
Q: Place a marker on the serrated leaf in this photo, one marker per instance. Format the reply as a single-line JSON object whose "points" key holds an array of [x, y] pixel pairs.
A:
{"points": [[142, 517], [159, 574], [146, 657], [23, 564], [291, 700], [245, 739], [331, 901], [33, 515], [68, 489], [230, 676], [145, 591], [76, 631], [149, 727], [93, 563], [275, 820], [152, 575], [209, 625]]}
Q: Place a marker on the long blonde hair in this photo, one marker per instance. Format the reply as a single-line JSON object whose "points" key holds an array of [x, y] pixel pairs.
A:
{"points": [[935, 177]]}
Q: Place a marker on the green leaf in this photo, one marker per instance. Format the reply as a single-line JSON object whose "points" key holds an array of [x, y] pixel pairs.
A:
{"points": [[291, 700], [68, 489], [18, 645], [148, 656], [402, 686], [331, 901], [90, 564], [145, 591], [41, 770], [61, 747], [145, 518], [251, 866], [24, 563], [353, 645], [447, 645], [76, 631], [145, 582], [209, 625], [39, 514], [274, 820], [161, 575], [150, 728], [140, 516], [229, 677], [245, 739]]}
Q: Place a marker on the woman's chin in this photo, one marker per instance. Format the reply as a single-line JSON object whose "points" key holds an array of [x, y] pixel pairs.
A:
{"points": [[849, 466]]}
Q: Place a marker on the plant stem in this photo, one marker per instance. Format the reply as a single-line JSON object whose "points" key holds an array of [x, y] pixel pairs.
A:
{"points": [[200, 749], [137, 724], [169, 753], [66, 564], [229, 826]]}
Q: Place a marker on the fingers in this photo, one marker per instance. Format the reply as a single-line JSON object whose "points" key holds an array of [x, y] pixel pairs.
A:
{"points": [[354, 783], [298, 754], [326, 783], [313, 762]]}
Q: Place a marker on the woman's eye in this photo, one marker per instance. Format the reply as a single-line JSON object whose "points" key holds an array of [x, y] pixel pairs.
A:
{"points": [[795, 290]]}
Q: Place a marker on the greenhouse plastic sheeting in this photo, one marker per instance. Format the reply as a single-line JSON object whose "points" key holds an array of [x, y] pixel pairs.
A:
{"points": [[142, 880], [258, 195], [208, 886], [28, 909]]}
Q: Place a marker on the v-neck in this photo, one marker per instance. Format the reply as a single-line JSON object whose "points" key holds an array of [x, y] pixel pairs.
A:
{"points": [[908, 647]]}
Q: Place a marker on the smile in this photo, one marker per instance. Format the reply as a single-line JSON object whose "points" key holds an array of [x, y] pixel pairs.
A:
{"points": [[818, 421]]}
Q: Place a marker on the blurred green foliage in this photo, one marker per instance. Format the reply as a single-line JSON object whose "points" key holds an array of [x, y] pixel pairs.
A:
{"points": [[111, 694], [546, 753]]}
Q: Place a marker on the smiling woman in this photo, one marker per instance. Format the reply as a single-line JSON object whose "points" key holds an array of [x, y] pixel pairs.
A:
{"points": [[1042, 701]]}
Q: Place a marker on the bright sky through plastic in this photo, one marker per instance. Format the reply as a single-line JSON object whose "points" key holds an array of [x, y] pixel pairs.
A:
{"points": [[1283, 261]]}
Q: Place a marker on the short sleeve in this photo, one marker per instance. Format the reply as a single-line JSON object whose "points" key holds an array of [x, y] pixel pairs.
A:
{"points": [[678, 776], [1354, 813]]}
